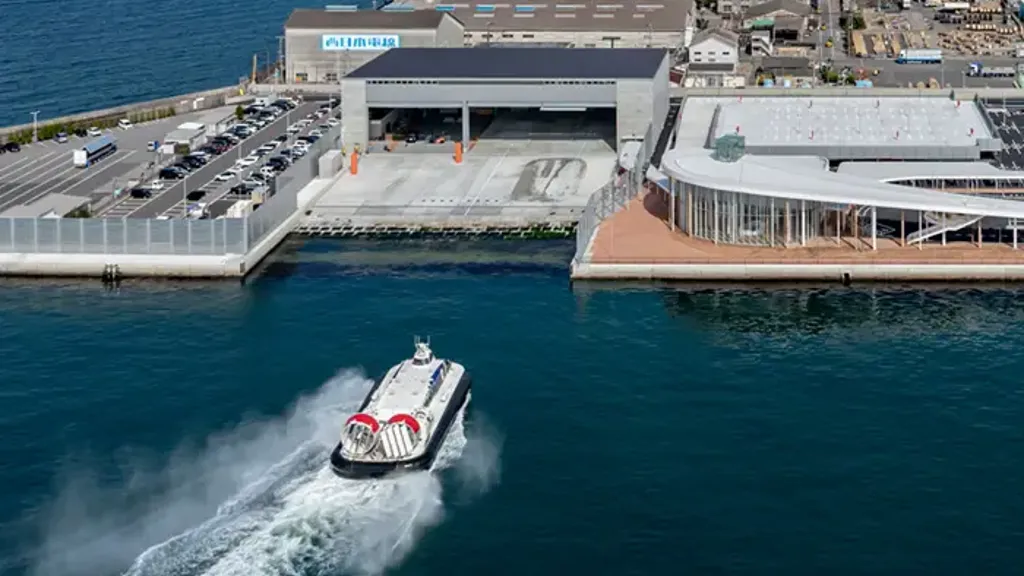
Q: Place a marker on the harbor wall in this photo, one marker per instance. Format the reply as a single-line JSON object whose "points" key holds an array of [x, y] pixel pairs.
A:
{"points": [[180, 104], [128, 265], [842, 273]]}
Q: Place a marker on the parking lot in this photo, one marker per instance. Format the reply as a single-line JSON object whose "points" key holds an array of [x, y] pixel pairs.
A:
{"points": [[46, 167], [170, 199]]}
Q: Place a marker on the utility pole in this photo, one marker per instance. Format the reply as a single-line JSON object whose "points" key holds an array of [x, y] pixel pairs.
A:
{"points": [[279, 69], [35, 126]]}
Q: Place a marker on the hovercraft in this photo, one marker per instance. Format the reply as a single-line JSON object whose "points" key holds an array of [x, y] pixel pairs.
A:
{"points": [[404, 419]]}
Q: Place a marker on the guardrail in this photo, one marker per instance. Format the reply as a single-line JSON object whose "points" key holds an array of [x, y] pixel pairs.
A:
{"points": [[786, 261]]}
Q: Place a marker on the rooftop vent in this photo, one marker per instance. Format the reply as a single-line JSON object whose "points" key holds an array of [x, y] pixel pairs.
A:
{"points": [[485, 8], [524, 8]]}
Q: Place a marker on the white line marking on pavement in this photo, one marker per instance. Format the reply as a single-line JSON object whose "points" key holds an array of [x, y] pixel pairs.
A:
{"points": [[22, 163], [90, 176]]}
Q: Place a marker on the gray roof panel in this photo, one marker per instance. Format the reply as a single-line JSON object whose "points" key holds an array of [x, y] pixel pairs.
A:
{"points": [[306, 19], [518, 63]]}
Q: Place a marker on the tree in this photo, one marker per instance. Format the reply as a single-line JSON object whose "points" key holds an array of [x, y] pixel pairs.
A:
{"points": [[239, 112]]}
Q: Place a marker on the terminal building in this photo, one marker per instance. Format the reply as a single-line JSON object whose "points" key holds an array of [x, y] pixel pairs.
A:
{"points": [[757, 172], [323, 45]]}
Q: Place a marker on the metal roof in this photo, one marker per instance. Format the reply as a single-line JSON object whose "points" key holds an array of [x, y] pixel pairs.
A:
{"points": [[59, 204], [307, 19], [853, 122], [772, 6], [508, 63], [890, 171], [781, 177], [98, 143], [573, 15]]}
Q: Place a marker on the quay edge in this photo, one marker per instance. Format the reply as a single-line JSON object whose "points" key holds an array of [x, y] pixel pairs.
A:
{"points": [[841, 273]]}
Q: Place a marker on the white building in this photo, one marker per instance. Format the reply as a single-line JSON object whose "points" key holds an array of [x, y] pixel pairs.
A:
{"points": [[321, 45], [715, 47]]}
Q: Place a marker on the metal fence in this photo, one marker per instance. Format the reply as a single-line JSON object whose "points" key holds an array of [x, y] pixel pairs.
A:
{"points": [[283, 201], [613, 196], [122, 236]]}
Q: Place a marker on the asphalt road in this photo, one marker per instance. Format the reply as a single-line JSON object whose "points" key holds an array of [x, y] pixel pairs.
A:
{"points": [[174, 193], [45, 167]]}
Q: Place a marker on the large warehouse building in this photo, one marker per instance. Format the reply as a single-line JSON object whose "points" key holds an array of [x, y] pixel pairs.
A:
{"points": [[323, 45], [579, 24], [632, 82]]}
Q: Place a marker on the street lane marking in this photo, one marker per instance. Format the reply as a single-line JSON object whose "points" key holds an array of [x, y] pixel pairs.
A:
{"points": [[51, 167], [22, 164], [90, 175]]}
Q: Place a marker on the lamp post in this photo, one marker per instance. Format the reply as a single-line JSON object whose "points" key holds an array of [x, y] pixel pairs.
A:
{"points": [[35, 126]]}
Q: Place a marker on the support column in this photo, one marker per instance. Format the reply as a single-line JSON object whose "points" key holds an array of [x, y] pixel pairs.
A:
{"points": [[943, 228], [785, 227], [689, 210], [839, 227], [921, 243], [771, 222], [465, 126], [874, 228], [903, 229], [1014, 233], [714, 214], [979, 233], [672, 185], [856, 227], [803, 223]]}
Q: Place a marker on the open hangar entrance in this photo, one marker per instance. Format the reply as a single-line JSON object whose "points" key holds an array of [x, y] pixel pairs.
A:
{"points": [[492, 129]]}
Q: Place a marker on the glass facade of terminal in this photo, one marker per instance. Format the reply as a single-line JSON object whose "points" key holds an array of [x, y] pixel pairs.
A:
{"points": [[736, 218]]}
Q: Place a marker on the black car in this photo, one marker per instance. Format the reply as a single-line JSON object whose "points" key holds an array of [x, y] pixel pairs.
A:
{"points": [[171, 174], [80, 132], [197, 160], [141, 193], [12, 147], [282, 138], [278, 160], [210, 149], [182, 167], [195, 195]]}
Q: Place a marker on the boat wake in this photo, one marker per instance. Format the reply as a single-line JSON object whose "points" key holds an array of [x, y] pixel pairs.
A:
{"points": [[293, 516]]}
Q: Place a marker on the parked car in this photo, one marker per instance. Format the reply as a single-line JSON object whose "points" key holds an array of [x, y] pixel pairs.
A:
{"points": [[195, 195], [124, 124], [94, 132], [246, 162], [227, 175], [61, 137], [80, 132], [140, 193], [171, 174], [12, 147], [268, 172]]}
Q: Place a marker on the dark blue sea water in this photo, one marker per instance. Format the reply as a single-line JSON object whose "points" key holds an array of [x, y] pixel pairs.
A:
{"points": [[179, 429], [67, 56]]}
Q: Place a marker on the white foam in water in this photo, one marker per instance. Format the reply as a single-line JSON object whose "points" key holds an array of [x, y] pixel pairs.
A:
{"points": [[294, 516]]}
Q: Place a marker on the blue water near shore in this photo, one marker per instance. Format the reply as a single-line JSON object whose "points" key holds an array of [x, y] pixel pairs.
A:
{"points": [[179, 429], [68, 56]]}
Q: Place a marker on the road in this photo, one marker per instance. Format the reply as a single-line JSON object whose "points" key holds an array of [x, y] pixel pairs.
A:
{"points": [[45, 167], [174, 194]]}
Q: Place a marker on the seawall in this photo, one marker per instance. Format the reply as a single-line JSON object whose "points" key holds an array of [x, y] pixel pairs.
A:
{"points": [[181, 104]]}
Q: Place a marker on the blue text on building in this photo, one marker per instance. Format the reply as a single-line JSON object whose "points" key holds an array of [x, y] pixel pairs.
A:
{"points": [[331, 42]]}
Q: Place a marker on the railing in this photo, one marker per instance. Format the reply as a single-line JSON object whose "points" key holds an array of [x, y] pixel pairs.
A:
{"points": [[611, 197], [122, 236], [950, 223]]}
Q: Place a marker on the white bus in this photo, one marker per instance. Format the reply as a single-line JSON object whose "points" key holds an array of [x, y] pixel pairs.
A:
{"points": [[94, 151]]}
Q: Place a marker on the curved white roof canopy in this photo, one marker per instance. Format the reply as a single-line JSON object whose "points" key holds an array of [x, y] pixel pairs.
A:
{"points": [[786, 178]]}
